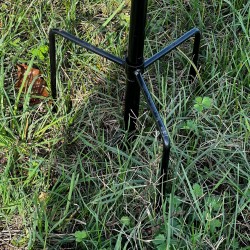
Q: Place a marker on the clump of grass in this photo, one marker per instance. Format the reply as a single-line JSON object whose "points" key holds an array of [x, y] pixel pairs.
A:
{"points": [[68, 179]]}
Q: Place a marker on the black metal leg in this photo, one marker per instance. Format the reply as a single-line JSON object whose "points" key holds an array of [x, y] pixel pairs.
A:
{"points": [[164, 170], [164, 135], [79, 42], [193, 32], [52, 53], [196, 48]]}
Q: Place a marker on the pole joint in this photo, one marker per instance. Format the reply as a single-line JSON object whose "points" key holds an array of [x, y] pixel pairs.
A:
{"points": [[130, 68]]}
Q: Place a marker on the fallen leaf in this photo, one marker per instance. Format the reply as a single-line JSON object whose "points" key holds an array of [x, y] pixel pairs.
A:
{"points": [[35, 78]]}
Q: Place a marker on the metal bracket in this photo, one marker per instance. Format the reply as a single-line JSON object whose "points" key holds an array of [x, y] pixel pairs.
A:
{"points": [[134, 65]]}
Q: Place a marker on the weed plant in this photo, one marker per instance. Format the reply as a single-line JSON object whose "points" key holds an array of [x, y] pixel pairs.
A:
{"points": [[68, 179]]}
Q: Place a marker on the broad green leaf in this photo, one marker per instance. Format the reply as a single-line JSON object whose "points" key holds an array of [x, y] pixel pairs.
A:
{"points": [[192, 125], [206, 102], [162, 246], [197, 190], [198, 99], [214, 224], [125, 220], [159, 239], [44, 49], [198, 107], [80, 235], [40, 51], [214, 203]]}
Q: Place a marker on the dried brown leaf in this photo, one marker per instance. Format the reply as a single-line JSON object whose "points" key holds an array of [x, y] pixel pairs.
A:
{"points": [[34, 77]]}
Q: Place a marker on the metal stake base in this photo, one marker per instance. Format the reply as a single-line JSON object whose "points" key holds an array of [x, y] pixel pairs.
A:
{"points": [[134, 66]]}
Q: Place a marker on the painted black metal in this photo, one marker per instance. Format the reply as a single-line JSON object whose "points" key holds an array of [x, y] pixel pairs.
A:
{"points": [[134, 61], [134, 67], [52, 54], [193, 32], [163, 132], [79, 42], [196, 48]]}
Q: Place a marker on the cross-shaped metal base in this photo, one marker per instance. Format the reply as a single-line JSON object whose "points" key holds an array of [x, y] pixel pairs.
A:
{"points": [[134, 66]]}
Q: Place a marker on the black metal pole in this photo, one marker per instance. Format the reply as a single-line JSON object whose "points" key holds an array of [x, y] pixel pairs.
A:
{"points": [[134, 60], [52, 54]]}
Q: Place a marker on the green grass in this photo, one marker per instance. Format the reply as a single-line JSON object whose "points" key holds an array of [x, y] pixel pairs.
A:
{"points": [[61, 173]]}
